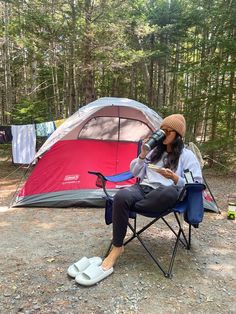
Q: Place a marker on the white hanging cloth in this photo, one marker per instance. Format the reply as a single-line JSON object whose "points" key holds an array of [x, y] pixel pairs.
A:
{"points": [[23, 143]]}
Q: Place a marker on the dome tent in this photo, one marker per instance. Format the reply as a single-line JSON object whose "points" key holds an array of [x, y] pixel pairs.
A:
{"points": [[101, 136]]}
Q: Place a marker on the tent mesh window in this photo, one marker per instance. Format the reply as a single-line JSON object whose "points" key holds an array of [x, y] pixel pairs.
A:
{"points": [[113, 128]]}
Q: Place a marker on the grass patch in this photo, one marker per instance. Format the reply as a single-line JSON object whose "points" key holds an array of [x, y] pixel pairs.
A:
{"points": [[5, 152]]}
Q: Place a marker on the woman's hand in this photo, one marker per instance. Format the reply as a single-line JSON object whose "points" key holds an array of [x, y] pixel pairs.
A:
{"points": [[168, 174], [144, 151]]}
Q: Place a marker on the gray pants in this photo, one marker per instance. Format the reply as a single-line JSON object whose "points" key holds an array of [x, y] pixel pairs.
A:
{"points": [[140, 199]]}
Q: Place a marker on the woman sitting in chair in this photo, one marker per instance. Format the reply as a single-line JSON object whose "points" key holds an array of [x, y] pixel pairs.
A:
{"points": [[158, 189]]}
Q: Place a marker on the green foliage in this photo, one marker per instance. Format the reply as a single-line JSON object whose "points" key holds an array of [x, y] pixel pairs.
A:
{"points": [[175, 56], [5, 151], [219, 151], [27, 112]]}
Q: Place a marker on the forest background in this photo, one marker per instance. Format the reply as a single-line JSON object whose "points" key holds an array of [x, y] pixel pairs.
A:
{"points": [[173, 55]]}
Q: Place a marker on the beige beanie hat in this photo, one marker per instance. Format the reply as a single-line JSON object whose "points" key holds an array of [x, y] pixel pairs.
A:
{"points": [[175, 122]]}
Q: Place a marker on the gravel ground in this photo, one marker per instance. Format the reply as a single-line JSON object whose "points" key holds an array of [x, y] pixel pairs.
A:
{"points": [[38, 245]]}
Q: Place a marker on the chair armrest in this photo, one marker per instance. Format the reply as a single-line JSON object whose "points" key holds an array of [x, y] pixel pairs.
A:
{"points": [[120, 177], [191, 203], [102, 180], [191, 188], [195, 210]]}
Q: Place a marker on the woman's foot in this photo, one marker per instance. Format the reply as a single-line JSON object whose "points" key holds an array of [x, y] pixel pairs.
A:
{"points": [[112, 257]]}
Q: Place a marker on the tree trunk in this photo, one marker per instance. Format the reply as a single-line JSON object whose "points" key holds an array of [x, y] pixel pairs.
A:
{"points": [[89, 89], [7, 91]]}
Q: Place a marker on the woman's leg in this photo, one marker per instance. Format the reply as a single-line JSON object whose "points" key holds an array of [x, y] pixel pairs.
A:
{"points": [[122, 204], [158, 200]]}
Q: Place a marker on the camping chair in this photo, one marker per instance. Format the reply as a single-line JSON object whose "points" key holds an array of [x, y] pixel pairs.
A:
{"points": [[189, 207]]}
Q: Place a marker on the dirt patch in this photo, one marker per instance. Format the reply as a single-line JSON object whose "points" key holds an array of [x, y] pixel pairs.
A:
{"points": [[38, 245]]}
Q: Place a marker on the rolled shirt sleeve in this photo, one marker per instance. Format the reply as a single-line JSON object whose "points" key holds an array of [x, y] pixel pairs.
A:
{"points": [[187, 160]]}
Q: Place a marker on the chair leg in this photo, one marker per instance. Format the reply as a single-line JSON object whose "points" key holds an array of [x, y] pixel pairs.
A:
{"points": [[189, 236], [108, 250], [169, 273], [136, 235], [186, 242]]}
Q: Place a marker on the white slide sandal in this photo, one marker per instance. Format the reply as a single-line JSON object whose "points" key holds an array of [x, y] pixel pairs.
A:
{"points": [[82, 264], [92, 275]]}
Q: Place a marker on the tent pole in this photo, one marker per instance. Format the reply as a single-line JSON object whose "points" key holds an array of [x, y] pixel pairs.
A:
{"points": [[17, 188], [205, 182]]}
